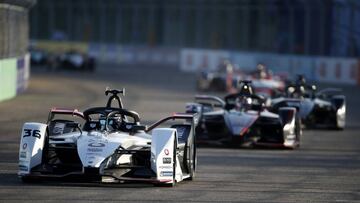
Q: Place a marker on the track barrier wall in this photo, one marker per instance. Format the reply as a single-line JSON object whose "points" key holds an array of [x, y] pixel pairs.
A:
{"points": [[321, 69], [14, 42], [14, 76], [120, 54]]}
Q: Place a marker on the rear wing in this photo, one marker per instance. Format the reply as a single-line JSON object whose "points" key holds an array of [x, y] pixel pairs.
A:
{"points": [[64, 111], [114, 96], [194, 118], [330, 91], [207, 99]]}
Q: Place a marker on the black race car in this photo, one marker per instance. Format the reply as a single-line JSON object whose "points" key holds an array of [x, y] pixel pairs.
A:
{"points": [[242, 119], [39, 57], [325, 108], [74, 60]]}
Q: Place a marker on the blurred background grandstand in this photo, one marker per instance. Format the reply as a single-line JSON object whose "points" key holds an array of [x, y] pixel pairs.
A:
{"points": [[317, 38], [317, 27]]}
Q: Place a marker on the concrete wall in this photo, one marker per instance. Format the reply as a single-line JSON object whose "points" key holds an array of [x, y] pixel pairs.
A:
{"points": [[8, 78], [115, 53], [14, 76], [14, 37]]}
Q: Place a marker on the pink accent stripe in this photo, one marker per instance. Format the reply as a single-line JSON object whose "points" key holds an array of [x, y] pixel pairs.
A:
{"points": [[243, 131]]}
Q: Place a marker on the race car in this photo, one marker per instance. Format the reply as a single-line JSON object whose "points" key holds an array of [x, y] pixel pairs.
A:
{"points": [[325, 108], [228, 77], [219, 80], [74, 60], [38, 57], [266, 83], [241, 119], [110, 146]]}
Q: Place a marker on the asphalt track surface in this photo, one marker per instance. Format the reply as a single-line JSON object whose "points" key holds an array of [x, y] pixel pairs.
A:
{"points": [[326, 168]]}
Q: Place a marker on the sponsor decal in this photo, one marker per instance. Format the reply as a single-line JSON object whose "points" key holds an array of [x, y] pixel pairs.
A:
{"points": [[166, 167], [94, 150], [166, 151], [23, 155], [24, 146], [23, 168], [94, 144], [97, 140], [21, 75], [92, 154], [33, 133], [24, 163], [167, 160], [166, 173]]}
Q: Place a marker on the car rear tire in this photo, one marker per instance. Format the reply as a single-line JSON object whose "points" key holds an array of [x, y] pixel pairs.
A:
{"points": [[192, 170], [298, 129], [340, 120], [29, 179]]}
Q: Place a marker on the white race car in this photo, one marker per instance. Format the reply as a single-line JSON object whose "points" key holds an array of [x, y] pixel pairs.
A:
{"points": [[111, 146]]}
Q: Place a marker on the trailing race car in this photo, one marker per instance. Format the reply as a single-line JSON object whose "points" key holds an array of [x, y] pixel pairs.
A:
{"points": [[74, 60], [228, 77], [243, 120], [112, 146], [325, 108], [265, 83], [39, 57], [219, 80]]}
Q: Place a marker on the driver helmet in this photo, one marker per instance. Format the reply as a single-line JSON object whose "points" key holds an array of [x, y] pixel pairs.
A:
{"points": [[300, 85], [261, 71], [243, 103], [114, 123]]}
